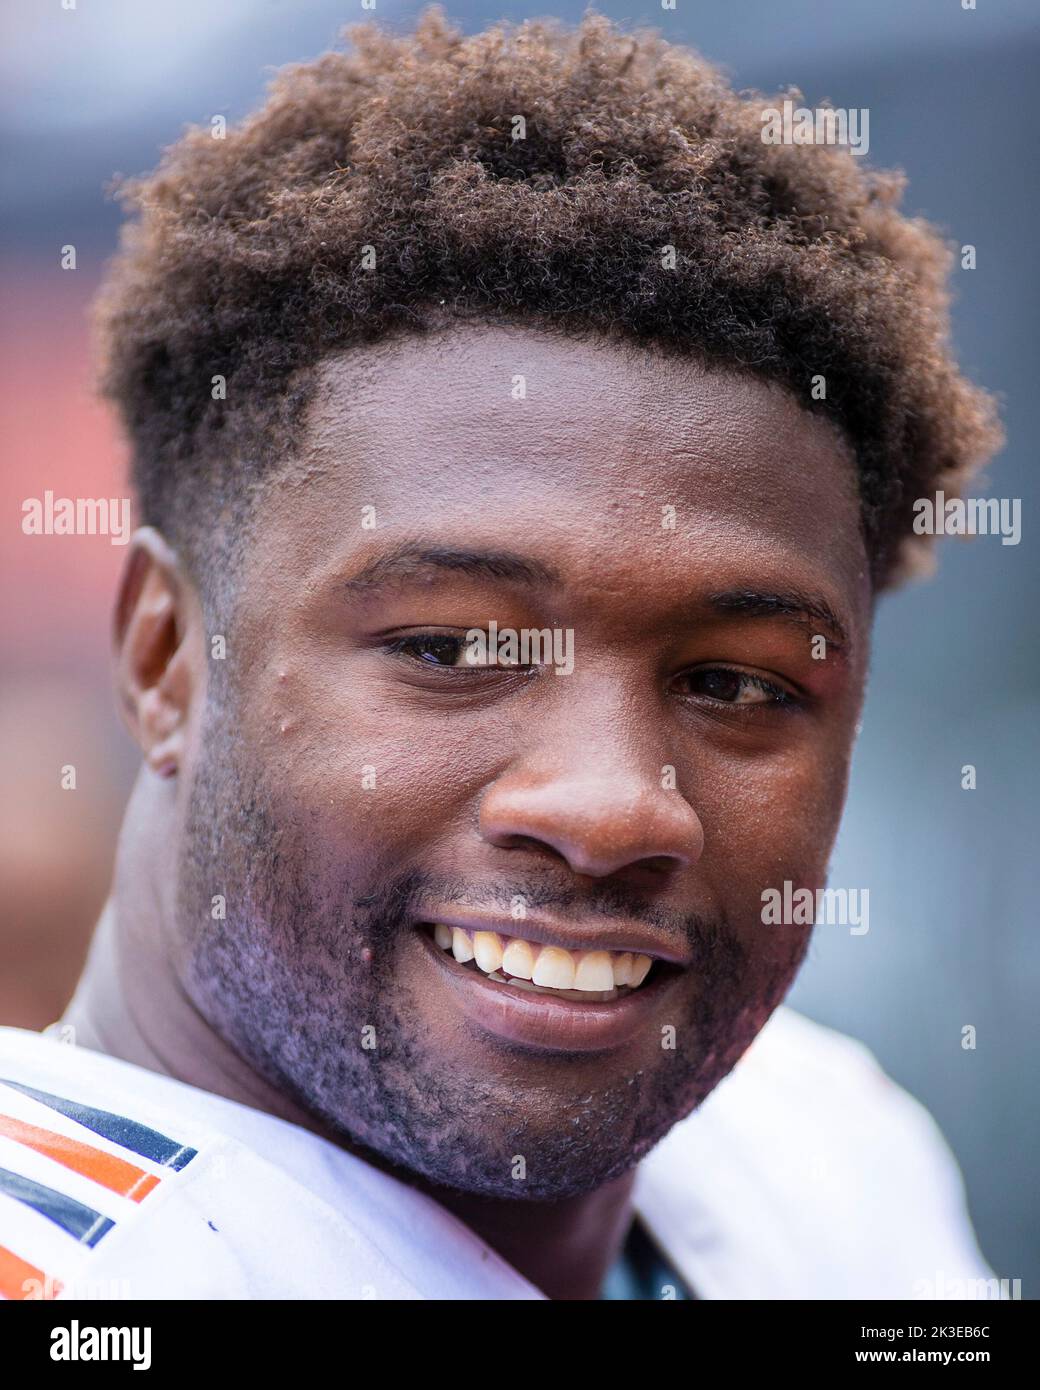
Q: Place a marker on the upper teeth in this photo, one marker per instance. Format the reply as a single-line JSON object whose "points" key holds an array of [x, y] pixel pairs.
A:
{"points": [[553, 967]]}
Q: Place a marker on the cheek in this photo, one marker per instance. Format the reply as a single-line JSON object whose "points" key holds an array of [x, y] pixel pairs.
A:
{"points": [[771, 819], [367, 774]]}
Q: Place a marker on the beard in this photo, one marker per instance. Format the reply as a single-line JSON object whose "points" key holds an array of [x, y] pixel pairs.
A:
{"points": [[301, 976]]}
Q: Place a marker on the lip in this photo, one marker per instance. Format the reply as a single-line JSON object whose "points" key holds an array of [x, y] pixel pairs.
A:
{"points": [[623, 936], [540, 1021]]}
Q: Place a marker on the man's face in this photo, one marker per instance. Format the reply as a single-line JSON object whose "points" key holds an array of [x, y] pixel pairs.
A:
{"points": [[358, 782]]}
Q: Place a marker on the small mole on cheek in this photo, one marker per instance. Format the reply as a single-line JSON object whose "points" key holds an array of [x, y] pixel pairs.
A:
{"points": [[366, 954]]}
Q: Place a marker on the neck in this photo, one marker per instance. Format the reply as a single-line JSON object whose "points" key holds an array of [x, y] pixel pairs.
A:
{"points": [[564, 1248]]}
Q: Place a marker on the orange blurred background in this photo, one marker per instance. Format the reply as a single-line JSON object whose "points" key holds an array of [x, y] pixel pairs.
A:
{"points": [[55, 707]]}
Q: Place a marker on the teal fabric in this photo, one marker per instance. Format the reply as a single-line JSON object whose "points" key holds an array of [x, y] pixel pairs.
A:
{"points": [[642, 1272]]}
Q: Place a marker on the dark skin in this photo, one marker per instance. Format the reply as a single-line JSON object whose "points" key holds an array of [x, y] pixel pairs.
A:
{"points": [[697, 754]]}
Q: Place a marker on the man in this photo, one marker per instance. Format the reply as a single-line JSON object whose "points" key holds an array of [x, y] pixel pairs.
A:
{"points": [[522, 442]]}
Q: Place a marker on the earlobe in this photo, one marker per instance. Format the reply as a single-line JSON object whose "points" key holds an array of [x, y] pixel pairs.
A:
{"points": [[154, 617]]}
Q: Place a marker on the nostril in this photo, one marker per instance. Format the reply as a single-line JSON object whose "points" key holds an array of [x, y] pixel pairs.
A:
{"points": [[659, 864], [531, 843]]}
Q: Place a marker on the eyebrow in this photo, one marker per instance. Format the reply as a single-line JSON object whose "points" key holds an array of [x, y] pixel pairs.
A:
{"points": [[411, 561], [803, 608]]}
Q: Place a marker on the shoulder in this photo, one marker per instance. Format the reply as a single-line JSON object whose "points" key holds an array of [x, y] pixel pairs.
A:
{"points": [[829, 1178], [116, 1182], [803, 1079], [87, 1152], [49, 1077], [810, 1080]]}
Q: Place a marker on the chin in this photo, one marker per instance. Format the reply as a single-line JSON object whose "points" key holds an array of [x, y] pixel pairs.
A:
{"points": [[548, 1159]]}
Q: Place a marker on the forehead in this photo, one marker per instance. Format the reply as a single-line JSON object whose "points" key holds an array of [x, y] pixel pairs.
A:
{"points": [[588, 448]]}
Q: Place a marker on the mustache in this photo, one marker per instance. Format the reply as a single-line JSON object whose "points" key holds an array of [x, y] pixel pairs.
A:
{"points": [[709, 939]]}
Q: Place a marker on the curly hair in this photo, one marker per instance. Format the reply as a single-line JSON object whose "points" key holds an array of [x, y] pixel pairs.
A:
{"points": [[382, 190]]}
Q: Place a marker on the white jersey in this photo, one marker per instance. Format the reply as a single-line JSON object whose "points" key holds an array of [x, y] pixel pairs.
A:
{"points": [[806, 1173]]}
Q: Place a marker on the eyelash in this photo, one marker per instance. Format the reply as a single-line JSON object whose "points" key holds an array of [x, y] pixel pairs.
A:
{"points": [[779, 698]]}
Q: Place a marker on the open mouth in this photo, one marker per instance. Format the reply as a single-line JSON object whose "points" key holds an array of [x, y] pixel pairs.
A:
{"points": [[587, 977]]}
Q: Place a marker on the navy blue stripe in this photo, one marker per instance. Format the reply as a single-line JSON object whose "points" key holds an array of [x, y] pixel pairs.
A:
{"points": [[83, 1222], [139, 1139]]}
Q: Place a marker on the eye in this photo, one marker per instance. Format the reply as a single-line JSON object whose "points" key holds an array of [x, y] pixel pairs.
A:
{"points": [[431, 649], [727, 686], [464, 652]]}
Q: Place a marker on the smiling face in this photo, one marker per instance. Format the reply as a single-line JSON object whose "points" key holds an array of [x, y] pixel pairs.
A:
{"points": [[374, 807]]}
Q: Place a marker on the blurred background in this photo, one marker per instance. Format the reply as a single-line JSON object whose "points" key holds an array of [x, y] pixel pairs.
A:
{"points": [[100, 88]]}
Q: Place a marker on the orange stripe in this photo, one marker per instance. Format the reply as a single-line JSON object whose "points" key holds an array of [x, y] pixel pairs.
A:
{"points": [[16, 1273], [104, 1168]]}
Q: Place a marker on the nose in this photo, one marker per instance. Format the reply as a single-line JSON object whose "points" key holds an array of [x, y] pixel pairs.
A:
{"points": [[599, 823]]}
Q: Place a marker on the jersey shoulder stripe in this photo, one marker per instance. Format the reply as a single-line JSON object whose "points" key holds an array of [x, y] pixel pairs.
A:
{"points": [[51, 1173], [147, 1143]]}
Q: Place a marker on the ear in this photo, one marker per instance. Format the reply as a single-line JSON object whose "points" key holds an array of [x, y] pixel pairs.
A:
{"points": [[157, 626]]}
